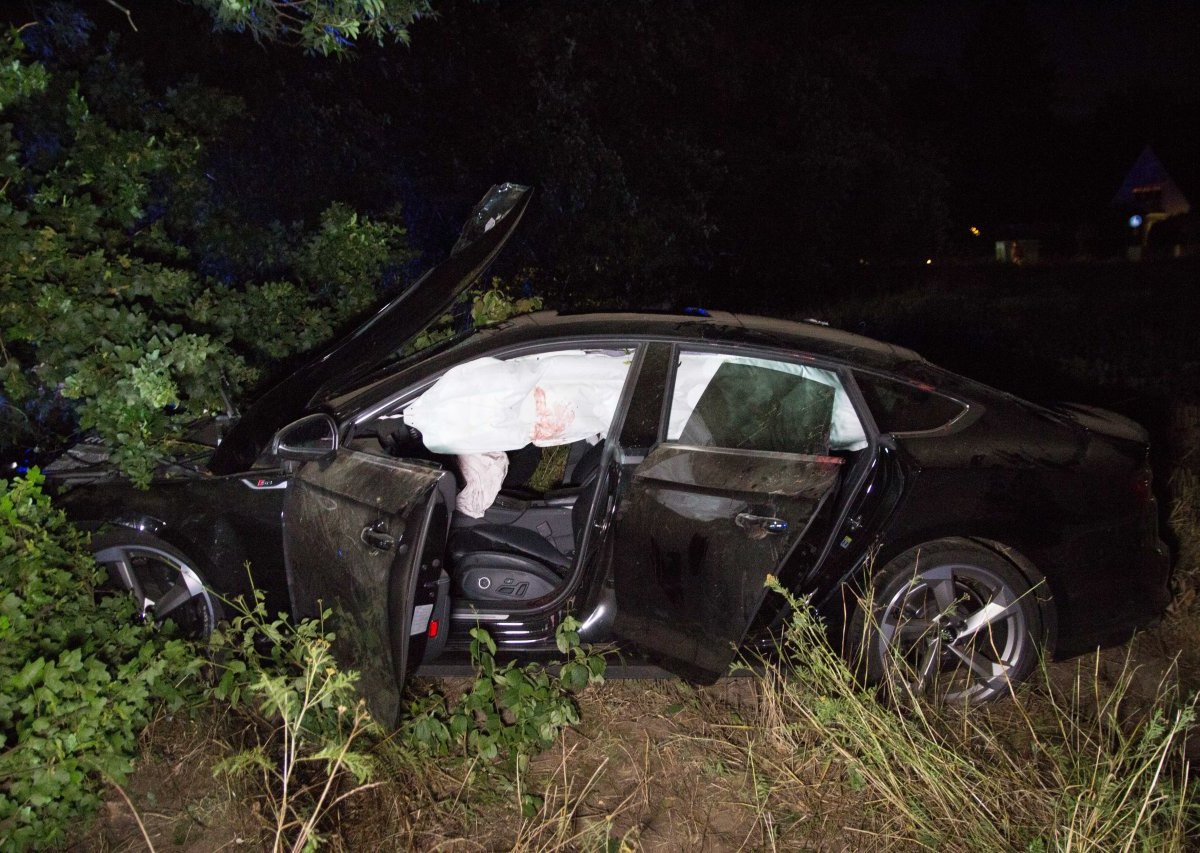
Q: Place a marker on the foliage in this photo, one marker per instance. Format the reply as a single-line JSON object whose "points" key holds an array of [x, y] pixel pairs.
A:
{"points": [[102, 187], [508, 713], [487, 308], [310, 724], [1071, 770], [79, 676], [327, 27]]}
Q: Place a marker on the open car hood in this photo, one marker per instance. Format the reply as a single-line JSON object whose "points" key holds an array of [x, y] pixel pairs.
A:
{"points": [[384, 333]]}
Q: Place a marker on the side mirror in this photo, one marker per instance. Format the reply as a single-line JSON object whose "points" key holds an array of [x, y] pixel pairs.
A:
{"points": [[313, 438]]}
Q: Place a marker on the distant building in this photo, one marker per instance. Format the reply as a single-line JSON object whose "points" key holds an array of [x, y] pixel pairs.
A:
{"points": [[1019, 251]]}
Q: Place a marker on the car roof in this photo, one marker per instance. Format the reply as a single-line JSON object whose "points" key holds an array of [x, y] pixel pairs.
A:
{"points": [[718, 326]]}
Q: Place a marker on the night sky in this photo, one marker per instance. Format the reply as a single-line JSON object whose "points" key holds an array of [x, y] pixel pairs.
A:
{"points": [[1098, 48], [698, 146]]}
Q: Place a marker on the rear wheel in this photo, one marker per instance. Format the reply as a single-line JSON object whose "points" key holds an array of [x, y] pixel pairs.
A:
{"points": [[163, 581], [951, 621]]}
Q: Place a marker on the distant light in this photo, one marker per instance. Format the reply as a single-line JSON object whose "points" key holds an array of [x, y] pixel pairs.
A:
{"points": [[975, 232], [1135, 221], [928, 261]]}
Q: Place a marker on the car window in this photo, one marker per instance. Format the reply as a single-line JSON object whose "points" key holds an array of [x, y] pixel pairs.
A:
{"points": [[744, 403], [901, 407]]}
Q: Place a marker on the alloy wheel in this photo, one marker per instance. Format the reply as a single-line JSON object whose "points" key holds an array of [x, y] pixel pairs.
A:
{"points": [[955, 632], [162, 583]]}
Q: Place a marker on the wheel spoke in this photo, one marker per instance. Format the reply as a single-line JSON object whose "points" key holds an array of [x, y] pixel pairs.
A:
{"points": [[941, 583], [121, 566], [984, 617], [987, 672], [928, 665], [177, 595]]}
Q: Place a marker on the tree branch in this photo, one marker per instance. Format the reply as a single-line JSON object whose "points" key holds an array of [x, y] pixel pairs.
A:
{"points": [[128, 14]]}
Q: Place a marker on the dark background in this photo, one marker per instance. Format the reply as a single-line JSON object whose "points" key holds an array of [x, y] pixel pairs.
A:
{"points": [[734, 155]]}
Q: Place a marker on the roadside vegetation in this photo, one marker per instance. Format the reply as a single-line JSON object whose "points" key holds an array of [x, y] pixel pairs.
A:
{"points": [[119, 736]]}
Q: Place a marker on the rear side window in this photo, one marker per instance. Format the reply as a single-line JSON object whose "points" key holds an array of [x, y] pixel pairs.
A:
{"points": [[752, 404], [900, 407]]}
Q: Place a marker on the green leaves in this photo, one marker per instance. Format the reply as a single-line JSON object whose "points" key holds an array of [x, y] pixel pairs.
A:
{"points": [[508, 713], [18, 79], [325, 27], [78, 676], [283, 678], [101, 301]]}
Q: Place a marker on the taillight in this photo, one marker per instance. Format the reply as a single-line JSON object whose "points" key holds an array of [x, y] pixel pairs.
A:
{"points": [[433, 628]]}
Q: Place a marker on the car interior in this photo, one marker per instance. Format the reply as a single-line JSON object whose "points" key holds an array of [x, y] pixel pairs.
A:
{"points": [[521, 548]]}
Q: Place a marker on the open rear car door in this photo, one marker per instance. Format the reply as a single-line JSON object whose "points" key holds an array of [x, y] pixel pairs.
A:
{"points": [[363, 537], [707, 514]]}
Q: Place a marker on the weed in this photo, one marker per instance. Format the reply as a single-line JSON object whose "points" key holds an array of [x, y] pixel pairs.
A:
{"points": [[311, 729], [508, 712], [1058, 769]]}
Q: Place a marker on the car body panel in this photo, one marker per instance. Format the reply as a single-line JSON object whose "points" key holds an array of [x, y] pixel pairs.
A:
{"points": [[354, 534], [698, 530], [223, 523]]}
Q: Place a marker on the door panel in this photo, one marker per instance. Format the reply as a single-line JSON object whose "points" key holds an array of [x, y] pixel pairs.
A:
{"points": [[722, 503], [355, 535], [698, 532]]}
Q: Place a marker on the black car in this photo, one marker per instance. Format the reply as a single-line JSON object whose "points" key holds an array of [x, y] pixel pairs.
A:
{"points": [[700, 453]]}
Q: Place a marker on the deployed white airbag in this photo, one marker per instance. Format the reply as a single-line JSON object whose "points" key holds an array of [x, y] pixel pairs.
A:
{"points": [[490, 405], [483, 475]]}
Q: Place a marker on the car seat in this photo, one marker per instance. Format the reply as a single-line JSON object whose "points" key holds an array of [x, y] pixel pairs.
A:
{"points": [[511, 554]]}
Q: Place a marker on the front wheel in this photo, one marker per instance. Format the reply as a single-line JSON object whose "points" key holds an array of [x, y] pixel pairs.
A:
{"points": [[951, 621], [163, 581]]}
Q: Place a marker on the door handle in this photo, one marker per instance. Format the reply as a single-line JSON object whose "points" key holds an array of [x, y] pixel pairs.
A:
{"points": [[760, 525], [376, 536]]}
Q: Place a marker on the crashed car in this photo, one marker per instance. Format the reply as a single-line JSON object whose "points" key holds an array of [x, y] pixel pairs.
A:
{"points": [[949, 533]]}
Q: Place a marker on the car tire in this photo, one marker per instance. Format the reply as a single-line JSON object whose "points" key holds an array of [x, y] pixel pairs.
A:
{"points": [[951, 621], [165, 583]]}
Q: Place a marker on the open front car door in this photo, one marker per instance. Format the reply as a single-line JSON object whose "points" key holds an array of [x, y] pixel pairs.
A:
{"points": [[363, 537]]}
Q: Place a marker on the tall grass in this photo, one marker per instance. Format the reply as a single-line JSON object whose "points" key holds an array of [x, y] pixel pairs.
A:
{"points": [[1067, 769]]}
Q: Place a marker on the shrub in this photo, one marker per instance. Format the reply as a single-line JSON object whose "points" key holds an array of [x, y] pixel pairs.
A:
{"points": [[309, 731], [79, 676]]}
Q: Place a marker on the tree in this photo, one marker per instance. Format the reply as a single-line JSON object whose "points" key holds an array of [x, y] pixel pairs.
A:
{"points": [[102, 302], [325, 27]]}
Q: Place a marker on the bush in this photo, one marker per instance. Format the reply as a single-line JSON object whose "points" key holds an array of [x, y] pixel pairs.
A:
{"points": [[307, 730], [79, 676]]}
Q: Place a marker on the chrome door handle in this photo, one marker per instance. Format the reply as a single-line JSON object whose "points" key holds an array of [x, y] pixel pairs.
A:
{"points": [[762, 525], [376, 536]]}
